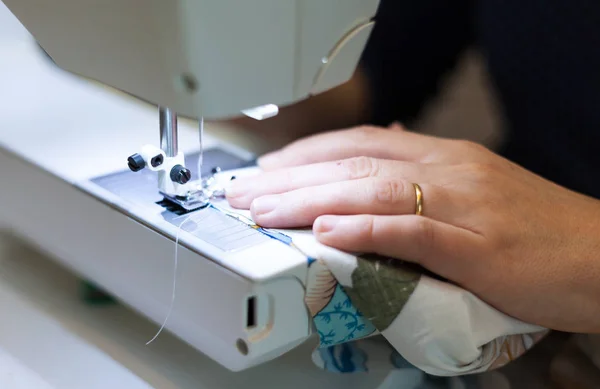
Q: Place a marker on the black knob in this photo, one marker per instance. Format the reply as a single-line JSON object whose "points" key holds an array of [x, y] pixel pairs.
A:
{"points": [[215, 170], [136, 163], [180, 175]]}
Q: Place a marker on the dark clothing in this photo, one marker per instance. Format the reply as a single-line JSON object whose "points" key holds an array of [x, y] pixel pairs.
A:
{"points": [[544, 60]]}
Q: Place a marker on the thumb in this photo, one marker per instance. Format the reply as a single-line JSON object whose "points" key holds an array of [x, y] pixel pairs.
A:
{"points": [[439, 247]]}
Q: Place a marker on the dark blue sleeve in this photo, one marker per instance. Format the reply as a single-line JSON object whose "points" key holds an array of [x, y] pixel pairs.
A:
{"points": [[413, 45]]}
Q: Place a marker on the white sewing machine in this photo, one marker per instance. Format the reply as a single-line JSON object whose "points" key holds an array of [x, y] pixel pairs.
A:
{"points": [[67, 187]]}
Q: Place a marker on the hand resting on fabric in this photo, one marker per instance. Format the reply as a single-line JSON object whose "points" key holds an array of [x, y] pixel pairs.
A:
{"points": [[524, 245]]}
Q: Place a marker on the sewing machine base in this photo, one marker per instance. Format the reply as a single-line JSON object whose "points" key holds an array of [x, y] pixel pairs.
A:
{"points": [[108, 230], [60, 135]]}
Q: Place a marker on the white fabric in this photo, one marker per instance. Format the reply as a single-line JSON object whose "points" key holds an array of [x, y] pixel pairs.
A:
{"points": [[444, 330]]}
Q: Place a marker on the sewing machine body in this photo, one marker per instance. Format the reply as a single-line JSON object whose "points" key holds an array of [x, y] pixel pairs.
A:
{"points": [[63, 143], [204, 57]]}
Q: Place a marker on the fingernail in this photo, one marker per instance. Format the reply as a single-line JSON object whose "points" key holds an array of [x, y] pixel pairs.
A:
{"points": [[325, 224], [264, 205]]}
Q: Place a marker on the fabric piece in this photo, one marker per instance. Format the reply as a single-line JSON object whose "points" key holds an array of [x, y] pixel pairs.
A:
{"points": [[342, 358], [445, 330], [340, 321], [335, 317], [438, 327], [506, 350], [381, 287]]}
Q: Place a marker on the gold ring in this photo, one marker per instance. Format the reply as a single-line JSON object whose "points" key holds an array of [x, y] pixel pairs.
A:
{"points": [[419, 202]]}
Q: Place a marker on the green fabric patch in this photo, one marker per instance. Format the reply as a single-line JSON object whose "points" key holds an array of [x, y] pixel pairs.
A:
{"points": [[381, 286]]}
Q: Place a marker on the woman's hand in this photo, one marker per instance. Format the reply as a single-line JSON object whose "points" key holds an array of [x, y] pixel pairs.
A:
{"points": [[523, 244]]}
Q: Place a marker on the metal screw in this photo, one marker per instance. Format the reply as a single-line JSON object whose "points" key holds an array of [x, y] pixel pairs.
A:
{"points": [[189, 83], [184, 176], [180, 175]]}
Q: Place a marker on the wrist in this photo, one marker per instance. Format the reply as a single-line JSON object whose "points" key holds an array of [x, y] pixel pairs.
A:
{"points": [[584, 263]]}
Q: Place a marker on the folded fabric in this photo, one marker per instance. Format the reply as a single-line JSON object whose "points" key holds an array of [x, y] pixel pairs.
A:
{"points": [[372, 312], [433, 324]]}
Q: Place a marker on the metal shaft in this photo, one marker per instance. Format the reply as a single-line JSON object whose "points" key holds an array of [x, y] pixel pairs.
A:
{"points": [[168, 131]]}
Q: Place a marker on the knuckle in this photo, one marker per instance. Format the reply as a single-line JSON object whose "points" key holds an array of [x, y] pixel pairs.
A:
{"points": [[480, 172], [368, 130], [389, 191], [425, 234], [397, 126], [365, 133], [282, 181], [360, 167], [470, 147], [369, 230]]}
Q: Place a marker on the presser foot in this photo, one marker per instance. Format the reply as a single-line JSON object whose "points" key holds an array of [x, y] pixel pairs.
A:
{"points": [[190, 202], [205, 191]]}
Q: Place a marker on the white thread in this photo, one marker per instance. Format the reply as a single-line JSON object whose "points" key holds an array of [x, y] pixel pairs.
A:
{"points": [[201, 141], [174, 281]]}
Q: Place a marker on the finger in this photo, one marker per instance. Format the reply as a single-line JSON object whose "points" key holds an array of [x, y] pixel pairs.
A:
{"points": [[300, 208], [442, 248], [356, 142], [243, 191]]}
